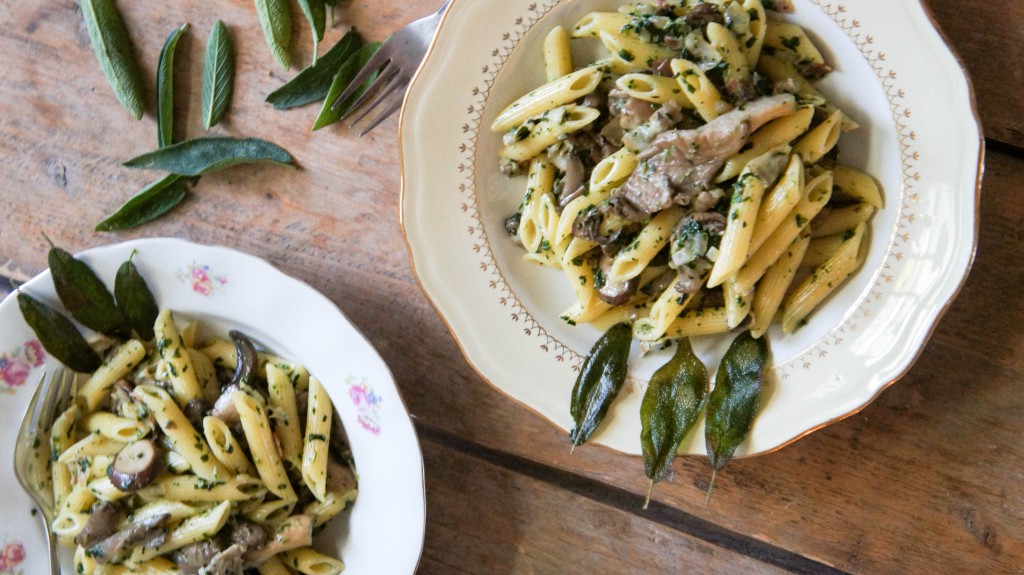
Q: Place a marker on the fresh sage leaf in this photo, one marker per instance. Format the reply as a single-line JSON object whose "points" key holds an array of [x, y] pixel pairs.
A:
{"points": [[276, 19], [135, 300], [84, 295], [218, 75], [313, 83], [601, 377], [734, 402], [202, 155], [165, 89], [58, 335], [113, 49], [672, 404], [316, 12], [328, 113], [151, 202]]}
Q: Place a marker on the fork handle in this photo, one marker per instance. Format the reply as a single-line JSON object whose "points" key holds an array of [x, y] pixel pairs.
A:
{"points": [[51, 545]]}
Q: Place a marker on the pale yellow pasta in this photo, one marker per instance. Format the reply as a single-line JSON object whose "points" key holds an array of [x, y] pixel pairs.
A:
{"points": [[778, 203], [823, 281], [190, 530], [192, 489], [256, 426], [332, 505], [308, 561], [270, 512], [176, 462], [786, 36], [705, 321], [632, 53], [840, 220], [594, 23], [664, 311], [154, 566], [84, 563], [820, 140], [820, 249], [856, 185], [706, 98], [183, 437], [71, 517], [113, 427], [206, 375], [632, 259], [652, 88], [557, 60], [319, 417], [273, 566], [189, 334], [97, 387], [758, 28], [743, 208], [737, 303], [578, 271], [287, 426], [608, 173], [104, 490], [539, 182], [181, 375], [815, 197], [577, 314], [225, 446], [174, 510], [776, 133], [728, 48], [772, 287], [550, 96], [89, 446], [62, 437], [547, 129]]}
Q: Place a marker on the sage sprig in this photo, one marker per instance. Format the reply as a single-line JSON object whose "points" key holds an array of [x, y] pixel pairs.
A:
{"points": [[276, 19], [673, 402], [151, 202], [330, 114], [601, 377], [314, 83], [734, 402], [202, 155], [316, 13], [135, 300], [84, 295], [165, 89], [218, 75], [58, 335], [113, 49]]}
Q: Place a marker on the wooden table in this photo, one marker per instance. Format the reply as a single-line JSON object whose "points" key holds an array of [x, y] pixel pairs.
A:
{"points": [[928, 479]]}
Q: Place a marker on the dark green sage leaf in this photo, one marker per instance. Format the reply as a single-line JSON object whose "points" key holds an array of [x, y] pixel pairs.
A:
{"points": [[601, 377], [113, 49], [276, 19], [202, 155], [316, 13], [84, 295], [165, 89], [151, 202], [58, 335], [313, 83], [135, 299], [218, 75], [341, 81], [673, 401], [734, 402]]}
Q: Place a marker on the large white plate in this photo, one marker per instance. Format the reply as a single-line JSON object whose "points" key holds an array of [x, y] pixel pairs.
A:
{"points": [[383, 531], [920, 137]]}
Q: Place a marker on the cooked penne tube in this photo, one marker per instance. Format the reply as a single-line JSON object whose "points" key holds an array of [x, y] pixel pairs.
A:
{"points": [[191, 530], [706, 98], [225, 446], [594, 23], [539, 183], [778, 203], [838, 221], [128, 355], [273, 566], [262, 445], [170, 345], [823, 281], [786, 36], [820, 140], [557, 60], [856, 185], [773, 286], [651, 88], [193, 489], [319, 418], [632, 259], [706, 321], [113, 427], [183, 437], [554, 94], [91, 445], [308, 561]]}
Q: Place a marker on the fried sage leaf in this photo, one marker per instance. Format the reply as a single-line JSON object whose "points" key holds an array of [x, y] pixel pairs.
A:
{"points": [[601, 377], [315, 12], [313, 83], [113, 49], [84, 295], [151, 202], [165, 89], [276, 19], [218, 75], [328, 113], [201, 155], [135, 299], [673, 402], [734, 402], [58, 335]]}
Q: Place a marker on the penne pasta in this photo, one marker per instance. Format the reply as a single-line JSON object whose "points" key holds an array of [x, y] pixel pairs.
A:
{"points": [[555, 94], [557, 60]]}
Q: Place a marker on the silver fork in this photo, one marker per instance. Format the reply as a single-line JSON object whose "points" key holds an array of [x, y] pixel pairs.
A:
{"points": [[32, 450], [395, 62]]}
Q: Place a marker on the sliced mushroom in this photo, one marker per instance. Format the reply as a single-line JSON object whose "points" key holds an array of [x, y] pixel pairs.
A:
{"points": [[136, 465], [101, 524], [616, 293], [246, 358], [148, 531]]}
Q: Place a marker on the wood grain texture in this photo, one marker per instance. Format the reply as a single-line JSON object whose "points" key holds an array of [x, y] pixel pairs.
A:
{"points": [[925, 480]]}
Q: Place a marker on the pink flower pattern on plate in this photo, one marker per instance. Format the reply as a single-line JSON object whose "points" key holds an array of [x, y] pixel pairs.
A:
{"points": [[16, 365], [12, 555], [367, 404], [201, 279]]}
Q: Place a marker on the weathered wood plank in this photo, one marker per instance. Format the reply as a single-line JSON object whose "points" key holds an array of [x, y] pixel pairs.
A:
{"points": [[989, 37]]}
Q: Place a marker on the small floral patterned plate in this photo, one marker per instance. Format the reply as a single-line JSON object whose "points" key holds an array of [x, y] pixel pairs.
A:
{"points": [[919, 136], [383, 531]]}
